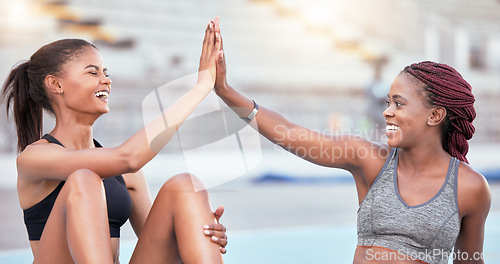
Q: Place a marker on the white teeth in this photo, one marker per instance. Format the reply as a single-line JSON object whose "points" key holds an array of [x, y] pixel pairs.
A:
{"points": [[391, 127], [102, 94]]}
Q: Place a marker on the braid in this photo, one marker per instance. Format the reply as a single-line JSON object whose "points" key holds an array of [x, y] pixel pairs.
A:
{"points": [[447, 88]]}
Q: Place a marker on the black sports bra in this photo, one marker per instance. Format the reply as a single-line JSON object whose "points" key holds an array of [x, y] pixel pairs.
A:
{"points": [[117, 198]]}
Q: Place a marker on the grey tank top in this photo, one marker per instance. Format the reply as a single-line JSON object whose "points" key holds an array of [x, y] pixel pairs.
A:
{"points": [[426, 232]]}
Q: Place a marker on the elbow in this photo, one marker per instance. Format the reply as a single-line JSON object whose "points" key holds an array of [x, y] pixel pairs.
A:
{"points": [[132, 165], [133, 168], [129, 160]]}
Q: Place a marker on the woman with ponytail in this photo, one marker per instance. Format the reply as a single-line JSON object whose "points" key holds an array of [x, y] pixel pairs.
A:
{"points": [[418, 198], [71, 189]]}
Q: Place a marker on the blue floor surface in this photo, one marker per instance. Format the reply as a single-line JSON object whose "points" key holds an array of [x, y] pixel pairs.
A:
{"points": [[300, 245]]}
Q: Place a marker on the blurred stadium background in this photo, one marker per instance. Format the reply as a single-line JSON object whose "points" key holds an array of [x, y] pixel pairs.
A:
{"points": [[314, 61], [325, 64]]}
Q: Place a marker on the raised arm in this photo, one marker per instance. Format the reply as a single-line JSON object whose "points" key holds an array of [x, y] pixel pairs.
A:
{"points": [[340, 151], [49, 161]]}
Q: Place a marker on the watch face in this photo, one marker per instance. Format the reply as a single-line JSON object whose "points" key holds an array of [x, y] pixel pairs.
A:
{"points": [[214, 144]]}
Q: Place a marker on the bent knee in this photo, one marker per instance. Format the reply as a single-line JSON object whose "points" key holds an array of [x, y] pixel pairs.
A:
{"points": [[183, 182], [84, 176], [83, 182]]}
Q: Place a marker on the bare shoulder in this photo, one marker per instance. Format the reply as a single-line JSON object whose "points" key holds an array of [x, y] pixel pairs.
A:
{"points": [[366, 152], [374, 155], [383, 149], [34, 153], [473, 190], [471, 180], [37, 146], [372, 161]]}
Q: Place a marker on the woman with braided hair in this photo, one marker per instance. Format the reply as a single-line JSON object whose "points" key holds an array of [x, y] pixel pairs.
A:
{"points": [[418, 198], [446, 88]]}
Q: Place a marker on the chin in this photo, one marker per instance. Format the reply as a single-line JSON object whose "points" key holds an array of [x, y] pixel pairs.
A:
{"points": [[393, 143], [104, 111], [395, 140]]}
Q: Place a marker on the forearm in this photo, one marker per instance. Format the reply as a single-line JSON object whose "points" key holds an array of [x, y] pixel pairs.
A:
{"points": [[270, 124], [238, 102], [145, 144], [316, 147]]}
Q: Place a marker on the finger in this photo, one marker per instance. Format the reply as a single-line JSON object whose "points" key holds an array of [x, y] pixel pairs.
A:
{"points": [[221, 61], [207, 33], [221, 43], [217, 24], [217, 29], [218, 212], [217, 234], [215, 227], [217, 43], [211, 36], [219, 241]]}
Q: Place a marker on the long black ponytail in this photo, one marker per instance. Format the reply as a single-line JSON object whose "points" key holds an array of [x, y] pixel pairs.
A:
{"points": [[27, 113], [25, 89]]}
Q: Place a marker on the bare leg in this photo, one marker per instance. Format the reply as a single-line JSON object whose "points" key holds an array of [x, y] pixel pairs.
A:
{"points": [[173, 232], [77, 229]]}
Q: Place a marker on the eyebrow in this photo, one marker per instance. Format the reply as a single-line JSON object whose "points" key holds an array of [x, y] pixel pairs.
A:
{"points": [[397, 96], [96, 67]]}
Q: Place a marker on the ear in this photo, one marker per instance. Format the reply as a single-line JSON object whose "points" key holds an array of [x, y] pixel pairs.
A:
{"points": [[52, 83], [437, 116]]}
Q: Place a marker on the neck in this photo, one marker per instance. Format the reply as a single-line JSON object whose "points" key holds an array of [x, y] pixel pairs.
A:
{"points": [[74, 133], [423, 157]]}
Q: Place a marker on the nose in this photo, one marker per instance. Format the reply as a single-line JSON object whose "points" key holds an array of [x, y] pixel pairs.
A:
{"points": [[106, 81], [389, 111]]}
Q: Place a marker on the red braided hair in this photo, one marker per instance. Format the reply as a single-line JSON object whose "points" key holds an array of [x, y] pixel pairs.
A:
{"points": [[447, 88]]}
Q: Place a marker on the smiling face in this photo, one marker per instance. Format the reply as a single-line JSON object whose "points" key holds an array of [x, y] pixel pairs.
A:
{"points": [[408, 112], [85, 83]]}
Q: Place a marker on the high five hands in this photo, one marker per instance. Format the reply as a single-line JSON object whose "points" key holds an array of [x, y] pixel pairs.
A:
{"points": [[212, 70], [210, 55]]}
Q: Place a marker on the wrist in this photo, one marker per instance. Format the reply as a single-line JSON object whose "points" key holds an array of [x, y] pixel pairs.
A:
{"points": [[221, 88], [201, 89], [204, 86], [253, 113], [206, 80]]}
